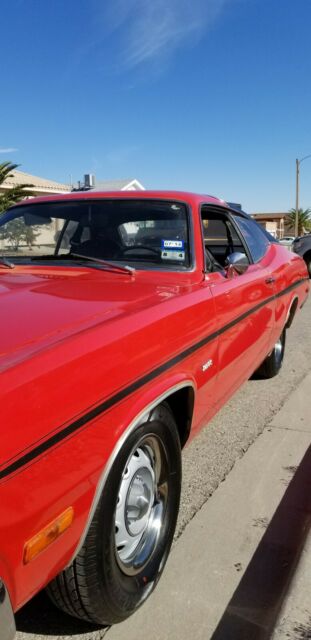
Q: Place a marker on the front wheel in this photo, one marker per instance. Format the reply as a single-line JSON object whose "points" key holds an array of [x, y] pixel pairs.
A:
{"points": [[273, 362], [132, 530]]}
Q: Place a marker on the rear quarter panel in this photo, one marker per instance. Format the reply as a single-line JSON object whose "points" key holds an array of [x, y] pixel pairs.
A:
{"points": [[291, 283]]}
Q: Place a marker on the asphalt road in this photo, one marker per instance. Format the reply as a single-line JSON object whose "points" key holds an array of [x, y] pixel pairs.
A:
{"points": [[206, 462]]}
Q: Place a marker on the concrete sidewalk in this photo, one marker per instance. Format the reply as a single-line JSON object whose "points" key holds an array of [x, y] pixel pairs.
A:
{"points": [[228, 572]]}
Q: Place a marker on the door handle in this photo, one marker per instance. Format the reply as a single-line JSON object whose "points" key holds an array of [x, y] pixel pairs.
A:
{"points": [[270, 280]]}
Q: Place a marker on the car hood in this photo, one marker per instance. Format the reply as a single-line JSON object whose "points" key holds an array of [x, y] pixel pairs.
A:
{"points": [[42, 307]]}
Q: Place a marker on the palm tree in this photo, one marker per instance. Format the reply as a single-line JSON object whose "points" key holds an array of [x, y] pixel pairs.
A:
{"points": [[14, 194], [304, 220]]}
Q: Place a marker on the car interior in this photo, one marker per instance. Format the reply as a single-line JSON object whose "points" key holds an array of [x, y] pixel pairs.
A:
{"points": [[220, 238], [130, 234]]}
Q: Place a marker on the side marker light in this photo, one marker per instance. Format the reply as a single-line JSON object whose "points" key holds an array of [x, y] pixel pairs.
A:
{"points": [[46, 536]]}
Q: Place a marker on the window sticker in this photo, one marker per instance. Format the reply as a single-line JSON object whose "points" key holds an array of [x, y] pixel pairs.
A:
{"points": [[172, 244], [172, 254]]}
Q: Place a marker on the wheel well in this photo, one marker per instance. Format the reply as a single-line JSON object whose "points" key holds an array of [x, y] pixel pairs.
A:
{"points": [[181, 403], [291, 314]]}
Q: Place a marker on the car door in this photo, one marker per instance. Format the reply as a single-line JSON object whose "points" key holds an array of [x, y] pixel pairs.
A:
{"points": [[245, 303]]}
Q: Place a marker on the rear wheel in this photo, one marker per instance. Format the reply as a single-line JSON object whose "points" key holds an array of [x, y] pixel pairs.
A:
{"points": [[308, 263], [273, 362], [132, 530]]}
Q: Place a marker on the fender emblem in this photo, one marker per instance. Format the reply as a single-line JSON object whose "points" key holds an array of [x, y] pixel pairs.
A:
{"points": [[207, 364]]}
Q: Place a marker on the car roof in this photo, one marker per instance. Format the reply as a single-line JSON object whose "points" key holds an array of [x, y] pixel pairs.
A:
{"points": [[182, 196], [106, 195]]}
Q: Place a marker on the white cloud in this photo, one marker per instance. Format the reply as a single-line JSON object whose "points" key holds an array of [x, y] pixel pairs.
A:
{"points": [[153, 30], [7, 149]]}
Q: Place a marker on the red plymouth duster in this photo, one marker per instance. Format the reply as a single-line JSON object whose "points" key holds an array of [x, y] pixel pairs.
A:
{"points": [[127, 320]]}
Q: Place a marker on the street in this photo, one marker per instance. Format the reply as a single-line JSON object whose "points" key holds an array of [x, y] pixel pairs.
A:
{"points": [[207, 462]]}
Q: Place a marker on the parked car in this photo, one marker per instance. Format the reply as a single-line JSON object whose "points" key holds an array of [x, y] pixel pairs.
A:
{"points": [[302, 246], [287, 241], [127, 320]]}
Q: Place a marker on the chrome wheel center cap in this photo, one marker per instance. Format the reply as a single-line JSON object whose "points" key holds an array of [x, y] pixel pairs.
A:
{"points": [[139, 510], [139, 501]]}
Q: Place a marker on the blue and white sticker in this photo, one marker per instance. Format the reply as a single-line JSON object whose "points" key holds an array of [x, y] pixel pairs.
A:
{"points": [[172, 244]]}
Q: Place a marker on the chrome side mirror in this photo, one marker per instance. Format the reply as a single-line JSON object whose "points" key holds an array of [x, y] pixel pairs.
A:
{"points": [[236, 264]]}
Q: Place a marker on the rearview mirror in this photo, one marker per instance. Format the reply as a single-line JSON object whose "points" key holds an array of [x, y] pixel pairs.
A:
{"points": [[236, 264], [31, 219]]}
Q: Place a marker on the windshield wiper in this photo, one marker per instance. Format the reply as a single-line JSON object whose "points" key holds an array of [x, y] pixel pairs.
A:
{"points": [[6, 263], [105, 263], [67, 256]]}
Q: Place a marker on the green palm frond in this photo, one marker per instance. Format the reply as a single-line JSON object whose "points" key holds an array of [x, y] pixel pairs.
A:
{"points": [[304, 220], [5, 170], [14, 194]]}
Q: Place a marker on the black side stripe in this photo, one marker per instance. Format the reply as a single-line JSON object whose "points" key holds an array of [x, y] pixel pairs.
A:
{"points": [[134, 386]]}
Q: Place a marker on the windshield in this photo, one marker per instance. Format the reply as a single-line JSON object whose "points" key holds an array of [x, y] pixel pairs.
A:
{"points": [[142, 233]]}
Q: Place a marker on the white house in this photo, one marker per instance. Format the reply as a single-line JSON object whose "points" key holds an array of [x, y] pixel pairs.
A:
{"points": [[128, 184], [41, 186]]}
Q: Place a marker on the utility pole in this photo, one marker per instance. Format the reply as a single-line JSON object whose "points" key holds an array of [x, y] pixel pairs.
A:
{"points": [[298, 163], [297, 198]]}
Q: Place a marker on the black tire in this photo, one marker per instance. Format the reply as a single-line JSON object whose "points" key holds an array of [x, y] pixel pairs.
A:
{"points": [[107, 582], [273, 362], [308, 263]]}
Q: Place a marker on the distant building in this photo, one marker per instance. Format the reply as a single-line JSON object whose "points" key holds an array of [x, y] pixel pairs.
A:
{"points": [[91, 183], [119, 185], [44, 186], [41, 186], [275, 223]]}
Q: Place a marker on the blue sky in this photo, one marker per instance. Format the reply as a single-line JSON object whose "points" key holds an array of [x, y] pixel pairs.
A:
{"points": [[211, 96]]}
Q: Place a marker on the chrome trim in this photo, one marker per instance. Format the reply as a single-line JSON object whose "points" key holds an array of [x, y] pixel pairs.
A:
{"points": [[142, 417], [7, 620]]}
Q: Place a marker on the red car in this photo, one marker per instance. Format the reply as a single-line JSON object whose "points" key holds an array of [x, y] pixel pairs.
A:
{"points": [[127, 320]]}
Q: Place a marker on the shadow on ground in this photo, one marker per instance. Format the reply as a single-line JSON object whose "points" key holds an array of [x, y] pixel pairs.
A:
{"points": [[254, 608], [41, 618]]}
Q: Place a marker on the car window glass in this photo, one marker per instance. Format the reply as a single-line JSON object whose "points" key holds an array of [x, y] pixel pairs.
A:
{"points": [[30, 235], [256, 240], [220, 236], [142, 233]]}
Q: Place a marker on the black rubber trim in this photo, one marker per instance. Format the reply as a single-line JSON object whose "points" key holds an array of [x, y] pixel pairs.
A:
{"points": [[134, 386]]}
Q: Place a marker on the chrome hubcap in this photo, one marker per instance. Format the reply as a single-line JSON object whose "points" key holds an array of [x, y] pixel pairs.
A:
{"points": [[278, 350], [140, 506]]}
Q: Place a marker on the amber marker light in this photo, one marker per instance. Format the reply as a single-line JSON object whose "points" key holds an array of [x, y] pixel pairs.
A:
{"points": [[46, 536]]}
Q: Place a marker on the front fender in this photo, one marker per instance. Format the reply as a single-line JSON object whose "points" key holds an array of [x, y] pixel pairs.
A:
{"points": [[140, 410]]}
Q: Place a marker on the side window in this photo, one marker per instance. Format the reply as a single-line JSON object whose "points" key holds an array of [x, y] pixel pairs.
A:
{"points": [[220, 236], [256, 240]]}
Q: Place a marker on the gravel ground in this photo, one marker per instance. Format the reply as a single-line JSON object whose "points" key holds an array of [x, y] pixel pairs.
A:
{"points": [[206, 463]]}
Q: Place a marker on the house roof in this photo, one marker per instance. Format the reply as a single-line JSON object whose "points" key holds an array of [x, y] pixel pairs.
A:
{"points": [[269, 216], [129, 184], [39, 184]]}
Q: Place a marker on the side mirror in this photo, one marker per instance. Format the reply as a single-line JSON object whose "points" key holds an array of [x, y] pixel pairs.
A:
{"points": [[236, 264]]}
